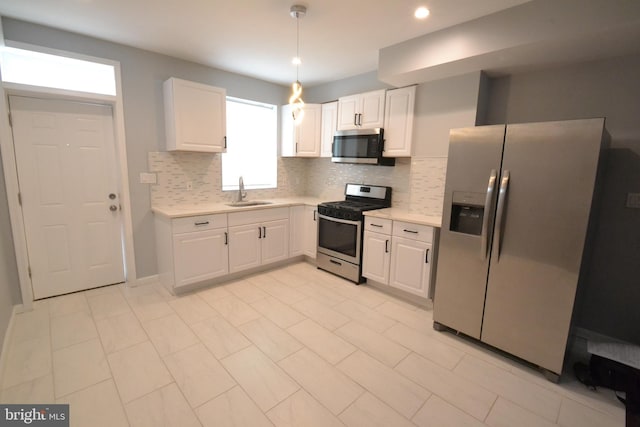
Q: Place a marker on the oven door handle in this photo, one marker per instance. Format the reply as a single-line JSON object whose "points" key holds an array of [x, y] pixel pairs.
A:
{"points": [[344, 221]]}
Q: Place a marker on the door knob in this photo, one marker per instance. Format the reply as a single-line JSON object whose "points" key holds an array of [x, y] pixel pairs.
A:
{"points": [[113, 208]]}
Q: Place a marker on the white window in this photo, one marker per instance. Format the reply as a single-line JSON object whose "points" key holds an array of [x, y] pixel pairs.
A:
{"points": [[252, 150], [59, 72]]}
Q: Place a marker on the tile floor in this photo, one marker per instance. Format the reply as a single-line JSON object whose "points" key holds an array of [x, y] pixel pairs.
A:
{"points": [[291, 347]]}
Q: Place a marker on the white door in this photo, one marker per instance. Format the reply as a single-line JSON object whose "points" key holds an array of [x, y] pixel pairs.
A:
{"points": [[411, 265], [275, 241], [199, 256], [244, 247], [65, 156], [376, 256]]}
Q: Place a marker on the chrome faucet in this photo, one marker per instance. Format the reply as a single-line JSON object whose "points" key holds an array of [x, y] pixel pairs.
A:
{"points": [[241, 193]]}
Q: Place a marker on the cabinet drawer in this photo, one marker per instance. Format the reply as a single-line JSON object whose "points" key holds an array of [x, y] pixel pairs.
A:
{"points": [[378, 225], [422, 233], [257, 216], [200, 222]]}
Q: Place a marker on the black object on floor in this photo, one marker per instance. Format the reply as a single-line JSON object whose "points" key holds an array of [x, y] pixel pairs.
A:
{"points": [[603, 372]]}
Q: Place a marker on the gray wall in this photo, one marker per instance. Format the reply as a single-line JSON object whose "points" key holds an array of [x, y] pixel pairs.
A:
{"points": [[609, 300], [9, 286], [142, 75]]}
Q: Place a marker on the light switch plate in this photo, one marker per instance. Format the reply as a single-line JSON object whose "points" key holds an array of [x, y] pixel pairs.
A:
{"points": [[148, 178], [633, 200]]}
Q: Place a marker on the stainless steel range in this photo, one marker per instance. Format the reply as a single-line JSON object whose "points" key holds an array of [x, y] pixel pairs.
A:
{"points": [[340, 228]]}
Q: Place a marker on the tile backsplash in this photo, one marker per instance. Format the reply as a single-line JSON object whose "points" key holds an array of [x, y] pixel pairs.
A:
{"points": [[175, 170], [418, 183]]}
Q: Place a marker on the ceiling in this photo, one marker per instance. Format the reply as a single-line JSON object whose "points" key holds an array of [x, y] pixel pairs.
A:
{"points": [[338, 38]]}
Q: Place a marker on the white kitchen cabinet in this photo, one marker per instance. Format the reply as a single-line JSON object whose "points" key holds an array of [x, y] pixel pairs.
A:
{"points": [[304, 231], [192, 249], [399, 254], [244, 248], [361, 111], [258, 237], [303, 139], [398, 121], [195, 116], [297, 230], [412, 258], [329, 127], [376, 249], [310, 231]]}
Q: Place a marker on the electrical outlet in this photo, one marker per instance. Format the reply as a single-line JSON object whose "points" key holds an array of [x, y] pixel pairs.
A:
{"points": [[633, 200], [148, 178], [189, 185]]}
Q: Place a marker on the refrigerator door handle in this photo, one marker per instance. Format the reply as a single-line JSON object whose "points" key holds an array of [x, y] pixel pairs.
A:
{"points": [[484, 245], [502, 195]]}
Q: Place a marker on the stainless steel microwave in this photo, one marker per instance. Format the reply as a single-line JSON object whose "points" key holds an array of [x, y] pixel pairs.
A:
{"points": [[364, 146]]}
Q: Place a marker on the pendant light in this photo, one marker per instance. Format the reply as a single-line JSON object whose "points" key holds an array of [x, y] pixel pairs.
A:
{"points": [[295, 100]]}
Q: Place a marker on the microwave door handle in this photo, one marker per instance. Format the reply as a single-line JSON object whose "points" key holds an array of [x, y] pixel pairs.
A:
{"points": [[484, 245], [502, 195]]}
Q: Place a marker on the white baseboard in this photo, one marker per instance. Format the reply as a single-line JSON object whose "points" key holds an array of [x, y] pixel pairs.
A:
{"points": [[8, 335], [141, 281]]}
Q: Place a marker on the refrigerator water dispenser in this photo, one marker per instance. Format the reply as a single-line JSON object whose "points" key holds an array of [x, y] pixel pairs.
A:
{"points": [[467, 211]]}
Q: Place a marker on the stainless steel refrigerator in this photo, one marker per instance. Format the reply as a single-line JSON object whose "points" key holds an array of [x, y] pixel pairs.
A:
{"points": [[517, 212]]}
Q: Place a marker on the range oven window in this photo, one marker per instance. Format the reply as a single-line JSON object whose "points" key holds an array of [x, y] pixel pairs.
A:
{"points": [[339, 237]]}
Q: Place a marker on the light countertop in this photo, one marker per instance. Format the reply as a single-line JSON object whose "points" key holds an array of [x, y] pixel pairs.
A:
{"points": [[222, 207], [396, 214]]}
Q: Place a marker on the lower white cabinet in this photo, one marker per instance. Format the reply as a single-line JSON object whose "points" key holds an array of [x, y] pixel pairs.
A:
{"points": [[310, 222], [376, 249], [258, 237], [410, 265], [399, 254], [304, 231], [192, 249]]}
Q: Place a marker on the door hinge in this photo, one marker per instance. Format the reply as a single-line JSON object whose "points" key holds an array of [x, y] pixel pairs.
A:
{"points": [[29, 270], [20, 199]]}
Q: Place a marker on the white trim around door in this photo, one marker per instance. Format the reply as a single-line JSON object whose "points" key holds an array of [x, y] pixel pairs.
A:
{"points": [[11, 176]]}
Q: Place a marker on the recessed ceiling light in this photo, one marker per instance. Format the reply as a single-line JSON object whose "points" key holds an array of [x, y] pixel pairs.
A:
{"points": [[296, 61], [421, 12]]}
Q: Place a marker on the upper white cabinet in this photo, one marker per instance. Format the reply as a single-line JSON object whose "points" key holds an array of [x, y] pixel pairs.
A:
{"points": [[364, 110], [398, 121], [195, 116], [329, 127], [302, 140]]}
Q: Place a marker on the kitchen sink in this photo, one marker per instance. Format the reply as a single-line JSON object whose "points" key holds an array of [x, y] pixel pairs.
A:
{"points": [[249, 203]]}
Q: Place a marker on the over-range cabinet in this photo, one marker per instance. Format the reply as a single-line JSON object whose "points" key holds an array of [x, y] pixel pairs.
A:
{"points": [[514, 238]]}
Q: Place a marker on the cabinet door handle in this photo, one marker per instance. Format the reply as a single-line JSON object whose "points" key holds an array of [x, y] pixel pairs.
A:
{"points": [[376, 225], [426, 257], [259, 232], [264, 232], [226, 238], [355, 119], [296, 148], [225, 141], [314, 214], [201, 223], [359, 119], [386, 246], [410, 231]]}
